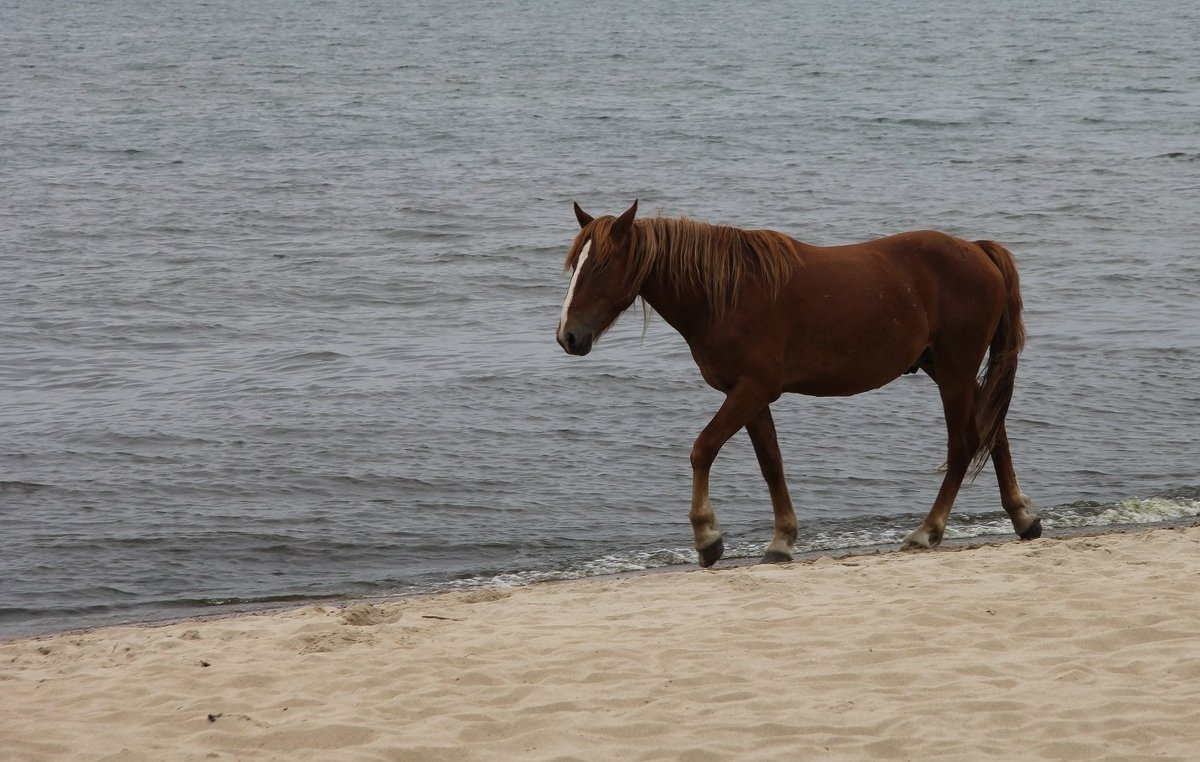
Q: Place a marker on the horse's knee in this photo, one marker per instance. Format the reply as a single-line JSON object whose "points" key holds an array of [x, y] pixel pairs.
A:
{"points": [[701, 456]]}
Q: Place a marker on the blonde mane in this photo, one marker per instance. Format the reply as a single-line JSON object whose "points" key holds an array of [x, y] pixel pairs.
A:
{"points": [[715, 260]]}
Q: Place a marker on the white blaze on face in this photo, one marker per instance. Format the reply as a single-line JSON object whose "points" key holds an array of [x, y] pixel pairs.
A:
{"points": [[583, 255]]}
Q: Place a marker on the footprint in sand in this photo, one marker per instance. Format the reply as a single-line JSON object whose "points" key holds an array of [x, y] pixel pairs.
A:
{"points": [[367, 614]]}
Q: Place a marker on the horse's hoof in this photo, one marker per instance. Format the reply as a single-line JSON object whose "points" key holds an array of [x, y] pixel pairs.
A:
{"points": [[776, 557], [1033, 531], [921, 539], [711, 554]]}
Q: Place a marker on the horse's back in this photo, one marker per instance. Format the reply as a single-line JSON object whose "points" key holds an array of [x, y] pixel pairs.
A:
{"points": [[912, 248], [940, 267], [888, 299]]}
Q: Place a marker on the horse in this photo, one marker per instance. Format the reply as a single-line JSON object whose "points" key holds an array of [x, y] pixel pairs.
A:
{"points": [[765, 314]]}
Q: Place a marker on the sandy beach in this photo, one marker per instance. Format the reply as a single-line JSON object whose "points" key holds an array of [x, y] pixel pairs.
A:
{"points": [[1085, 648]]}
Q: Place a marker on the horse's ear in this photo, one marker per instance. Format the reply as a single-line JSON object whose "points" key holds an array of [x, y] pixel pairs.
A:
{"points": [[583, 217], [625, 221]]}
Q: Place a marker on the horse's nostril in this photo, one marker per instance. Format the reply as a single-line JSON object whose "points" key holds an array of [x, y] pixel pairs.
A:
{"points": [[571, 340]]}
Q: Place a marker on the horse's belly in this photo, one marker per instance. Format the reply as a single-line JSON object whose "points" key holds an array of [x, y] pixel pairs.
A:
{"points": [[853, 368], [839, 385]]}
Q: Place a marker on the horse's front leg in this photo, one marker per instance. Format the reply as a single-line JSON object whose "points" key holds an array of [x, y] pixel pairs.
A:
{"points": [[741, 404], [766, 447]]}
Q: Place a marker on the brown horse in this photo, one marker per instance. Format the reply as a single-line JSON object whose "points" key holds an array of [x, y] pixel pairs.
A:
{"points": [[766, 314]]}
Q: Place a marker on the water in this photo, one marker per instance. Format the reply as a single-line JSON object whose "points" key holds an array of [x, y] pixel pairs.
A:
{"points": [[281, 280]]}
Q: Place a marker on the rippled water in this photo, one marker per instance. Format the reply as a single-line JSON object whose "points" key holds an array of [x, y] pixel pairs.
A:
{"points": [[281, 280]]}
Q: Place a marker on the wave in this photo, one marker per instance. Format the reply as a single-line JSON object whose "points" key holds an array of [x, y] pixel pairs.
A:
{"points": [[1179, 155], [873, 533], [26, 487], [864, 534]]}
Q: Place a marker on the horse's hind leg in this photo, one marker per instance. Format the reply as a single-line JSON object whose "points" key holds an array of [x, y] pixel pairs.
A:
{"points": [[761, 429], [958, 402], [1016, 503]]}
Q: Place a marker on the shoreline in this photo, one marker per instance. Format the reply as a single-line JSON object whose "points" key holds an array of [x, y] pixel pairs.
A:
{"points": [[1075, 647], [252, 608]]}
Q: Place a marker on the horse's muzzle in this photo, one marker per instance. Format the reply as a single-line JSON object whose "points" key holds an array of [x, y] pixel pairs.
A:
{"points": [[575, 342]]}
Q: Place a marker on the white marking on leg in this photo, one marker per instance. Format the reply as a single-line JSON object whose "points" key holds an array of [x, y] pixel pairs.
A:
{"points": [[705, 528], [1026, 514], [780, 545], [583, 255], [918, 538]]}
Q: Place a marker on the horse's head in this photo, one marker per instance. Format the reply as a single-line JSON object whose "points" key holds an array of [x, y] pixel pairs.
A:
{"points": [[603, 281]]}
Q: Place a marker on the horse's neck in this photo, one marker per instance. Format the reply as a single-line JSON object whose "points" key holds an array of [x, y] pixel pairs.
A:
{"points": [[684, 312]]}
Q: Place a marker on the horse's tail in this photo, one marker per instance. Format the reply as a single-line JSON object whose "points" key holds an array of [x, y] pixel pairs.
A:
{"points": [[996, 381]]}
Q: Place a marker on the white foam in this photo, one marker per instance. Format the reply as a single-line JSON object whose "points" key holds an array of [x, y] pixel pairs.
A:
{"points": [[1143, 511], [1133, 511]]}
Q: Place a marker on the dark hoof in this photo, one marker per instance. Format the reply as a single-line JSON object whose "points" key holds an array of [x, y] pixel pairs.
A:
{"points": [[775, 557], [1033, 531], [712, 554]]}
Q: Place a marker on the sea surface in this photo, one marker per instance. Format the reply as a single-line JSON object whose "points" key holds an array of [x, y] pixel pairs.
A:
{"points": [[280, 280]]}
